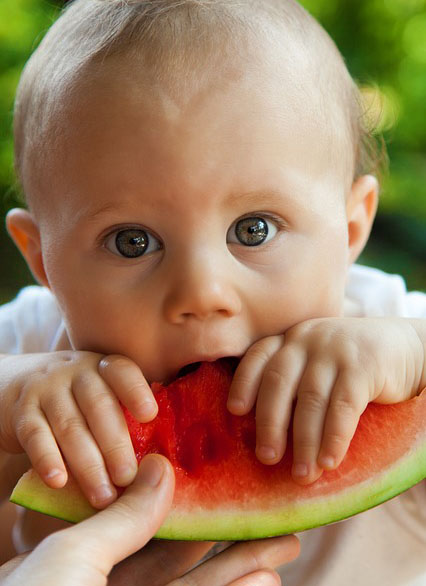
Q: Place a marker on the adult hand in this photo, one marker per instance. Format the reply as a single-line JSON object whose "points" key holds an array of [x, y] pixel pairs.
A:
{"points": [[83, 555], [163, 563]]}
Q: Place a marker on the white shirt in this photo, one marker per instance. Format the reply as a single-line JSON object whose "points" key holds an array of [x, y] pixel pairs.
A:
{"points": [[385, 546]]}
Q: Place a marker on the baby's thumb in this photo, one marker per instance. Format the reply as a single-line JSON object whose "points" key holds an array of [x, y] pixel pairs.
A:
{"points": [[127, 524]]}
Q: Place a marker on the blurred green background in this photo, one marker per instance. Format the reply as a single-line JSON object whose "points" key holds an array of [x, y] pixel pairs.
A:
{"points": [[384, 44]]}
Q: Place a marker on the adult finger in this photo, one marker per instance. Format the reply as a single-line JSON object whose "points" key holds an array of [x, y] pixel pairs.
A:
{"points": [[11, 566], [84, 554], [133, 519], [165, 563], [260, 578], [242, 559], [158, 563]]}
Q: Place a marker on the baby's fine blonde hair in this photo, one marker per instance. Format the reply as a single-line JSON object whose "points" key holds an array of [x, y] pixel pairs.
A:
{"points": [[173, 36]]}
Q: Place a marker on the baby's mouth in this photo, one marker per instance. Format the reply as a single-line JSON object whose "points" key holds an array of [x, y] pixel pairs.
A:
{"points": [[188, 368], [193, 366]]}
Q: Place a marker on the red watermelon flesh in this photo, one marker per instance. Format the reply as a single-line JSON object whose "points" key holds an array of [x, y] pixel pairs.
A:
{"points": [[224, 492]]}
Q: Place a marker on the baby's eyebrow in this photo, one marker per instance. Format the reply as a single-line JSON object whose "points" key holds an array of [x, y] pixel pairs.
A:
{"points": [[261, 197], [106, 209], [254, 199], [268, 199]]}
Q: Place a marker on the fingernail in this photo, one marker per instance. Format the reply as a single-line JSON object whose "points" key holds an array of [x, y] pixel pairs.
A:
{"points": [[54, 472], [103, 494], [125, 474], [147, 410], [237, 405], [266, 453], [326, 462], [300, 470], [56, 478], [152, 470]]}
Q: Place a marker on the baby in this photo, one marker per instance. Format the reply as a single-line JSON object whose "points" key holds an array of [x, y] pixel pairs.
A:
{"points": [[196, 181]]}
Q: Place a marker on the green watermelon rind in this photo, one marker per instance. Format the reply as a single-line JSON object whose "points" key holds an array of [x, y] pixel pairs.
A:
{"points": [[68, 503], [296, 517], [200, 524]]}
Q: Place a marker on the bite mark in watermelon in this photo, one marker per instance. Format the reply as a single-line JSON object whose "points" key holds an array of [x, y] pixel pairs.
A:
{"points": [[224, 493]]}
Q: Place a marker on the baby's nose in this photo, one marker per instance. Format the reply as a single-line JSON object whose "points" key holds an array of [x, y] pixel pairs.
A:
{"points": [[200, 288]]}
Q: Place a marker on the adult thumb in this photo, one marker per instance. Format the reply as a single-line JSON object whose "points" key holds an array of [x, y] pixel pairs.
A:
{"points": [[127, 524], [84, 554]]}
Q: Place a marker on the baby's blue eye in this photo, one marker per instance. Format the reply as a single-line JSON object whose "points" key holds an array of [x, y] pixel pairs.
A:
{"points": [[132, 242], [251, 231]]}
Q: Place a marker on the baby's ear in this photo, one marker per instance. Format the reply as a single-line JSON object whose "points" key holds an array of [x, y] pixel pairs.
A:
{"points": [[24, 231], [361, 209]]}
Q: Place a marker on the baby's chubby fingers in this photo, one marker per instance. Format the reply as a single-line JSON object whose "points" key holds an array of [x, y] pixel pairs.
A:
{"points": [[36, 439], [127, 382], [107, 424], [274, 403], [348, 400], [313, 397], [79, 447], [249, 373]]}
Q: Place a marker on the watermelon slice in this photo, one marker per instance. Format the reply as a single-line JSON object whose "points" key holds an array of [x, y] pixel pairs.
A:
{"points": [[224, 493]]}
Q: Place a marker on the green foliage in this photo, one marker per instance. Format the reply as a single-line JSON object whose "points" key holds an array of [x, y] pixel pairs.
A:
{"points": [[22, 24], [384, 44]]}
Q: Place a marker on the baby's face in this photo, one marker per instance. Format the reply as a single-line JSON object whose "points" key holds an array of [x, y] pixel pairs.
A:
{"points": [[179, 229]]}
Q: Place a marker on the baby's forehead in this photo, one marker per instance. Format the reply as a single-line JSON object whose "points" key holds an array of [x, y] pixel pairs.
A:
{"points": [[255, 44], [191, 48], [263, 84]]}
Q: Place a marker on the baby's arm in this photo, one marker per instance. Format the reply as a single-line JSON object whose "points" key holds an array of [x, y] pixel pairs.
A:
{"points": [[333, 367], [57, 406]]}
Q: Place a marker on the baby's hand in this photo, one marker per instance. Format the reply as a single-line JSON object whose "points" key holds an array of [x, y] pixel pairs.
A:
{"points": [[68, 403], [333, 367]]}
